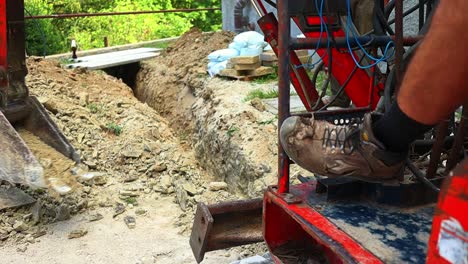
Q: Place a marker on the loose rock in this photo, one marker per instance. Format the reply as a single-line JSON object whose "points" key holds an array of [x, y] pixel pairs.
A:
{"points": [[217, 186], [77, 233], [130, 222]]}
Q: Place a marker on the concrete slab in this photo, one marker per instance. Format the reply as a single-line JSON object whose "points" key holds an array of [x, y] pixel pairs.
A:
{"points": [[112, 59], [296, 105]]}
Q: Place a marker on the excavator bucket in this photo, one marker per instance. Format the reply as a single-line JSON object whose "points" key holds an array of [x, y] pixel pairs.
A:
{"points": [[17, 162], [226, 225]]}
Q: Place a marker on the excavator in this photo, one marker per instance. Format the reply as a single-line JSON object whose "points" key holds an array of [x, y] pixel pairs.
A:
{"points": [[420, 219], [20, 110]]}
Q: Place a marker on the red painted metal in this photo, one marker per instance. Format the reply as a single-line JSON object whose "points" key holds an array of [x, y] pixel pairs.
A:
{"points": [[451, 208], [288, 219], [3, 34], [342, 66]]}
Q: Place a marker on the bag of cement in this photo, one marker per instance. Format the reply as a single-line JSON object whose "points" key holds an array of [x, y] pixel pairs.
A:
{"points": [[223, 55], [217, 68], [250, 39], [251, 51]]}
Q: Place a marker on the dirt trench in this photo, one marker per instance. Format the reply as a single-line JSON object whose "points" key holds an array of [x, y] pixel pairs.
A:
{"points": [[232, 140]]}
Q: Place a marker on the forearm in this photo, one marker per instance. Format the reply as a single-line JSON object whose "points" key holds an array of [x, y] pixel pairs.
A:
{"points": [[436, 81]]}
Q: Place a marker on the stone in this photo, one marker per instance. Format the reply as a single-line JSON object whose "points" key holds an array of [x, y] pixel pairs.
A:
{"points": [[118, 209], [91, 164], [133, 151], [83, 99], [80, 138], [95, 217], [63, 213], [190, 188], [39, 232], [217, 186], [100, 180], [182, 198], [140, 211], [22, 248], [160, 167], [258, 104], [130, 221], [131, 177], [77, 233], [20, 226], [126, 193], [166, 181]]}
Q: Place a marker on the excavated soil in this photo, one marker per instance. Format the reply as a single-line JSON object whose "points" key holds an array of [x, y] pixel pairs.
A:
{"points": [[144, 175], [234, 139]]}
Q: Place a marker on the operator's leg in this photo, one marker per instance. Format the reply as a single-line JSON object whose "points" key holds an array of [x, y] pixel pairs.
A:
{"points": [[436, 82]]}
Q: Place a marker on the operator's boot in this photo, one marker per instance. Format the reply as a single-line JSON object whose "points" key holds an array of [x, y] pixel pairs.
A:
{"points": [[330, 150]]}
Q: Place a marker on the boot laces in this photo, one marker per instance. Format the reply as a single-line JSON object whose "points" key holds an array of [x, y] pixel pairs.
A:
{"points": [[345, 138]]}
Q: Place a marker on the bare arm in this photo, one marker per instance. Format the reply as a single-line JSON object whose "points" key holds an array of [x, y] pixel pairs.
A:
{"points": [[436, 82]]}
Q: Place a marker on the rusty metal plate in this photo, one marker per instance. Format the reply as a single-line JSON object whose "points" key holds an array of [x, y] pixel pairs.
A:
{"points": [[226, 225], [14, 197], [202, 225]]}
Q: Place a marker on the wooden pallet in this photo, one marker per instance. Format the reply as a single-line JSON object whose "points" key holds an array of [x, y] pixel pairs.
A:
{"points": [[246, 75], [245, 68]]}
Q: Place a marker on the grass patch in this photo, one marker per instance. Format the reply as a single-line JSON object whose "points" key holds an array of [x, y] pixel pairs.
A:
{"points": [[273, 77], [95, 108], [130, 200], [267, 122], [261, 94], [114, 128], [231, 131]]}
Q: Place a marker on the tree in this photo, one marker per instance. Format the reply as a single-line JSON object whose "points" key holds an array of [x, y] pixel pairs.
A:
{"points": [[53, 35]]}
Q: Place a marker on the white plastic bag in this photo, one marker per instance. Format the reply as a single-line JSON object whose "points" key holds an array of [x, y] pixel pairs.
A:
{"points": [[217, 68], [223, 55]]}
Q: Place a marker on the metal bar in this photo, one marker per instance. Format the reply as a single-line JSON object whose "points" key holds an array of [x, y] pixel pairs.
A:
{"points": [[341, 42], [458, 143], [399, 50], [62, 16], [284, 36], [421, 176], [408, 12], [442, 131], [421, 14]]}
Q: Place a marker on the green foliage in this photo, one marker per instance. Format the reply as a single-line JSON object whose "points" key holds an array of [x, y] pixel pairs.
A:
{"points": [[130, 200], [114, 128], [50, 36], [231, 131], [261, 94]]}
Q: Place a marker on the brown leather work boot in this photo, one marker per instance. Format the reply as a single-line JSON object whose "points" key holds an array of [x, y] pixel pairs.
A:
{"points": [[331, 150]]}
